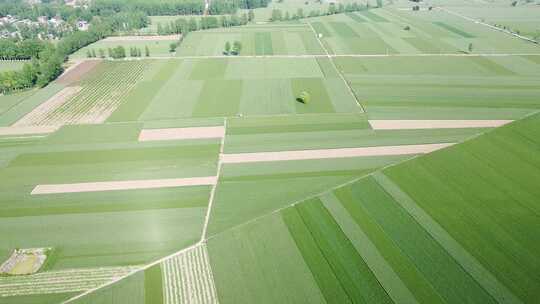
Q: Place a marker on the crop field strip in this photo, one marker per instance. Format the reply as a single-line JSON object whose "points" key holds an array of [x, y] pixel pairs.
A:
{"points": [[187, 278], [99, 96], [61, 281], [434, 124]]}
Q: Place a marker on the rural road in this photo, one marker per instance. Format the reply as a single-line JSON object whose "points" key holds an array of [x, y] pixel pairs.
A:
{"points": [[331, 56], [488, 25]]}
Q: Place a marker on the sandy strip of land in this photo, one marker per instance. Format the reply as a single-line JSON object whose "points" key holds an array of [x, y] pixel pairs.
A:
{"points": [[8, 131], [142, 38], [434, 124], [182, 133], [39, 115], [124, 185], [331, 153]]}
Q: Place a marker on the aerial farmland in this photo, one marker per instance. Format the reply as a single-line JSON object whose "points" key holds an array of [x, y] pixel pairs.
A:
{"points": [[191, 151]]}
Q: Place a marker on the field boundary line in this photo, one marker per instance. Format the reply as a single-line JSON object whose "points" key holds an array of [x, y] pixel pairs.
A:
{"points": [[351, 91], [488, 25], [323, 56], [214, 187]]}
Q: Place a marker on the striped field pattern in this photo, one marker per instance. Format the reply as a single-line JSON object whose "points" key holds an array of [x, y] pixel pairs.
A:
{"points": [[187, 278], [62, 281]]}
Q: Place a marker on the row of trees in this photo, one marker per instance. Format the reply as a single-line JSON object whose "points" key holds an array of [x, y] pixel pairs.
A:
{"points": [[174, 7], [118, 52], [220, 7], [235, 50], [184, 25], [278, 15]]}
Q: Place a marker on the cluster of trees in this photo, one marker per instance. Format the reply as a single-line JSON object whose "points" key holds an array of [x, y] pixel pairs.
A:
{"points": [[234, 50], [278, 15], [42, 69], [16, 50], [47, 59], [174, 7], [184, 25], [220, 7], [151, 8]]}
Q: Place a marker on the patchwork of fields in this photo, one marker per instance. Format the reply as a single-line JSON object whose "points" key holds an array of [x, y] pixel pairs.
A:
{"points": [[409, 176]]}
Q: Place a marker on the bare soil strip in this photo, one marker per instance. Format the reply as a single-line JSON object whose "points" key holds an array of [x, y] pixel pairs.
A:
{"points": [[124, 185], [434, 124], [76, 72], [8, 131], [40, 114], [142, 38], [182, 133], [331, 153]]}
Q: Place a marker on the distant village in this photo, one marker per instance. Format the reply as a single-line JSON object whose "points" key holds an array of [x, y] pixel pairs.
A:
{"points": [[44, 28]]}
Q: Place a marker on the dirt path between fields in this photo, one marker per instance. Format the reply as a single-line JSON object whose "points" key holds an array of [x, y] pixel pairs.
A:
{"points": [[331, 153], [27, 130], [141, 38], [124, 185], [434, 124], [182, 133]]}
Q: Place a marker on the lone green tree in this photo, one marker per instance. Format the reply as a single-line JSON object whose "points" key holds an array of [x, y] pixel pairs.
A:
{"points": [[304, 97], [237, 47], [470, 47], [172, 47], [146, 51], [227, 48]]}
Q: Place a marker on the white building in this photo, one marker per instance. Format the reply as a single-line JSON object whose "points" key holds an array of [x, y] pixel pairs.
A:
{"points": [[82, 25]]}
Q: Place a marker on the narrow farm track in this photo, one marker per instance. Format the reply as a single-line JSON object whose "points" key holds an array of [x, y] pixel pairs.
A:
{"points": [[61, 281], [341, 56], [351, 91], [444, 9], [214, 187]]}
